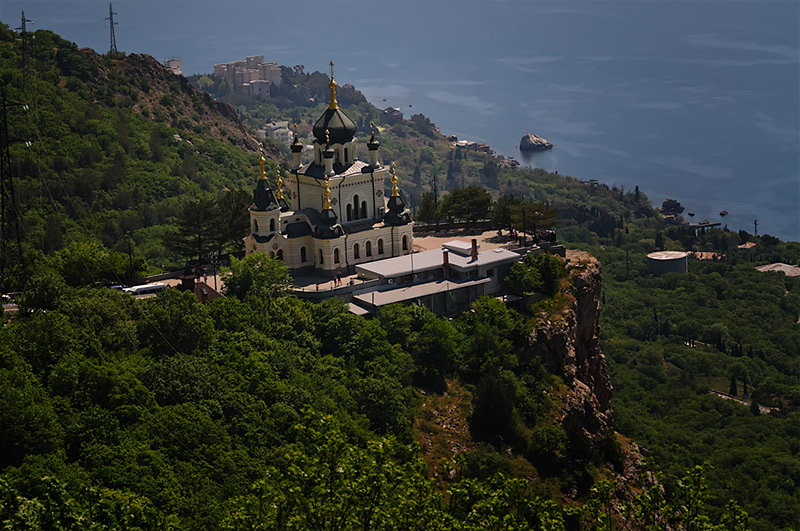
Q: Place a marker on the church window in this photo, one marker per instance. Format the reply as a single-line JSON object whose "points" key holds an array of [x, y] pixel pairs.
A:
{"points": [[255, 225], [280, 254], [272, 225], [271, 254], [356, 252], [355, 207], [336, 256], [405, 243], [363, 209], [337, 155], [380, 246], [349, 212], [346, 155], [302, 254], [321, 260], [369, 248]]}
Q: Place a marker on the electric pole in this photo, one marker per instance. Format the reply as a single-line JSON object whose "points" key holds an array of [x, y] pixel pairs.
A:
{"points": [[24, 33], [755, 226], [11, 258], [111, 23]]}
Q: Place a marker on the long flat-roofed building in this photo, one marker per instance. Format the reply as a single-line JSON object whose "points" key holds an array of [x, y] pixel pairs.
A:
{"points": [[444, 280]]}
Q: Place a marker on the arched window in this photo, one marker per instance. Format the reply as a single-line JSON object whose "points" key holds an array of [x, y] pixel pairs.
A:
{"points": [[272, 225], [380, 246], [356, 252], [280, 254], [336, 256], [337, 155], [349, 212], [405, 243], [321, 260], [302, 254], [346, 155], [369, 248], [255, 225], [363, 209], [271, 254], [355, 207]]}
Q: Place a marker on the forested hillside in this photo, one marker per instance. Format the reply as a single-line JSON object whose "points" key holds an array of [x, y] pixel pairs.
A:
{"points": [[117, 146]]}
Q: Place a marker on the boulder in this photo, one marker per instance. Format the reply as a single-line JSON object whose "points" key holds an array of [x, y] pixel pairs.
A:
{"points": [[531, 142]]}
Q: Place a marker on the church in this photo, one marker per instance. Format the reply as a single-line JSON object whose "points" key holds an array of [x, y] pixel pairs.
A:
{"points": [[339, 215]]}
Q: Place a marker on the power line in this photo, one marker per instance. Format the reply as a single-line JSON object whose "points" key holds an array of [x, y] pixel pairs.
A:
{"points": [[111, 24]]}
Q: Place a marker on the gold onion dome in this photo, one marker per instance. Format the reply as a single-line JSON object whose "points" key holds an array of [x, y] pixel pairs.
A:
{"points": [[395, 191], [342, 128], [279, 184], [396, 213]]}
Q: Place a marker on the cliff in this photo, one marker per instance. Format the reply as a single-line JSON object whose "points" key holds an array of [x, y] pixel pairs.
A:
{"points": [[569, 345]]}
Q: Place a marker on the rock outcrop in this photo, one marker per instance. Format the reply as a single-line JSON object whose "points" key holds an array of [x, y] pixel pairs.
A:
{"points": [[531, 142], [569, 345]]}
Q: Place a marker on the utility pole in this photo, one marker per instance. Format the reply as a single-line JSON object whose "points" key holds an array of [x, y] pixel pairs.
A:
{"points": [[24, 33], [755, 224], [111, 23], [12, 267]]}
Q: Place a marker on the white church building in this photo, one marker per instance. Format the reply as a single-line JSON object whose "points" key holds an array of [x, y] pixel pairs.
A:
{"points": [[339, 215]]}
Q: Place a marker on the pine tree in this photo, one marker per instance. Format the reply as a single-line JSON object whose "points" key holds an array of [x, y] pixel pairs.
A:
{"points": [[733, 391]]}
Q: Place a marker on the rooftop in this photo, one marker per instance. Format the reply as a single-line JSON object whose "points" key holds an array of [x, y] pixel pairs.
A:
{"points": [[405, 293], [667, 255], [432, 259], [789, 270]]}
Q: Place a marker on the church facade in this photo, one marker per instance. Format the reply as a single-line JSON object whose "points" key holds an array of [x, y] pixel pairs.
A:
{"points": [[339, 216]]}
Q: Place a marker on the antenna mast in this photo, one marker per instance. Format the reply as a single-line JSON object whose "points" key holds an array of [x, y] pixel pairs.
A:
{"points": [[111, 23]]}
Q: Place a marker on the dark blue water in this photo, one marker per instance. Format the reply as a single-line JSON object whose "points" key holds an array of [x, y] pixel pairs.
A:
{"points": [[698, 101]]}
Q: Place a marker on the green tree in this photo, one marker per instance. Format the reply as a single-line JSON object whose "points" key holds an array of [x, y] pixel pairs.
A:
{"points": [[231, 219], [467, 204], [326, 483], [426, 212], [256, 275], [194, 229]]}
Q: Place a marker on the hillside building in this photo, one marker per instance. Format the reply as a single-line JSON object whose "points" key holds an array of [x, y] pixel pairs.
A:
{"points": [[339, 215], [252, 76], [174, 65]]}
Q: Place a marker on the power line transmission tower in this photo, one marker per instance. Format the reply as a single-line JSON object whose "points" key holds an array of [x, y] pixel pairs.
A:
{"points": [[24, 32], [11, 259], [111, 23]]}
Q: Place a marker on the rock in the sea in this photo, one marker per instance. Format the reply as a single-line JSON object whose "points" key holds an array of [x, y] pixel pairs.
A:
{"points": [[531, 142]]}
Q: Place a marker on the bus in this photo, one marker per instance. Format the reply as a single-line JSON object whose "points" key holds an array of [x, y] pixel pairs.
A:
{"points": [[146, 289]]}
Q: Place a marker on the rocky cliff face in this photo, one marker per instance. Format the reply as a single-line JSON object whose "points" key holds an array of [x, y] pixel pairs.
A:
{"points": [[570, 347]]}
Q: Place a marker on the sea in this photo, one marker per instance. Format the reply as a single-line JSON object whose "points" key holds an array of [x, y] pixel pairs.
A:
{"points": [[697, 100]]}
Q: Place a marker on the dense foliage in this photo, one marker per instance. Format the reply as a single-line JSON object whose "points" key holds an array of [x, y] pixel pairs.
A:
{"points": [[117, 146]]}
